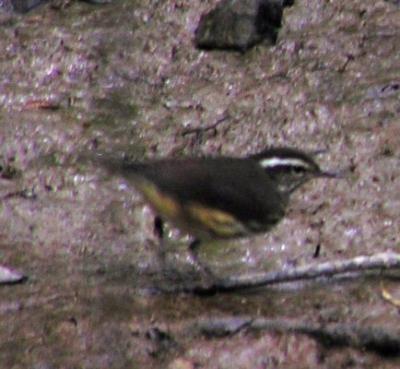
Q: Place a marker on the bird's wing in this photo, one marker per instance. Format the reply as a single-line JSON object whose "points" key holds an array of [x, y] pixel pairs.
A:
{"points": [[234, 186]]}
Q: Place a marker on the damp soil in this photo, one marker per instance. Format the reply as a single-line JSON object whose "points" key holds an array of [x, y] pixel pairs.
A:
{"points": [[125, 78]]}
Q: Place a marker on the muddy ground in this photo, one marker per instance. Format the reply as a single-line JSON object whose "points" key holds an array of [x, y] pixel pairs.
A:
{"points": [[126, 78]]}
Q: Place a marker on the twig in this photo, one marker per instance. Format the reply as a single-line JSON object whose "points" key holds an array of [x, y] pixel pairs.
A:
{"points": [[381, 261], [374, 338], [199, 130], [24, 194]]}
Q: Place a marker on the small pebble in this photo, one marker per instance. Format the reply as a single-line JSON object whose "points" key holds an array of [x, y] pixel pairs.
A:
{"points": [[8, 276]]}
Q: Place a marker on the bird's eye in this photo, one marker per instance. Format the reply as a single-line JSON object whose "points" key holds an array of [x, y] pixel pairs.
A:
{"points": [[298, 169]]}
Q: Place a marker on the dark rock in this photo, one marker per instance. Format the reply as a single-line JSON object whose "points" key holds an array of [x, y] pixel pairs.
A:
{"points": [[240, 24]]}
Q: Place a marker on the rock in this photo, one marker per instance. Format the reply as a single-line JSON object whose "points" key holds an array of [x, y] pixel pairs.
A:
{"points": [[240, 24], [9, 276]]}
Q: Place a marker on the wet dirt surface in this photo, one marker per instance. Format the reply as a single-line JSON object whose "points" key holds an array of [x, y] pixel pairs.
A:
{"points": [[125, 78]]}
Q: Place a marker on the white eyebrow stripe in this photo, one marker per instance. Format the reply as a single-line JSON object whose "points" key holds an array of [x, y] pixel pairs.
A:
{"points": [[276, 162]]}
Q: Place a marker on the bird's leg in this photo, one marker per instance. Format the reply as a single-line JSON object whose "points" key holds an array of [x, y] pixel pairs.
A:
{"points": [[159, 232], [194, 254], [194, 250], [158, 227]]}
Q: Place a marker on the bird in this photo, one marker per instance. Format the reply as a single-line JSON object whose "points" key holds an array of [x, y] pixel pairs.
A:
{"points": [[220, 197]]}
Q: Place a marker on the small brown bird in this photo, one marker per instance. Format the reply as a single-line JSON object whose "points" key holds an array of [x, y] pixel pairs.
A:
{"points": [[221, 197]]}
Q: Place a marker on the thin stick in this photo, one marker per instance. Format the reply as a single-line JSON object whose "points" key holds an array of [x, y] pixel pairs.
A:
{"points": [[382, 340], [381, 261], [199, 130]]}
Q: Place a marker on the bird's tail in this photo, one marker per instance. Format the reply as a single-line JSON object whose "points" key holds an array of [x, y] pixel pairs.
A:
{"points": [[113, 164]]}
